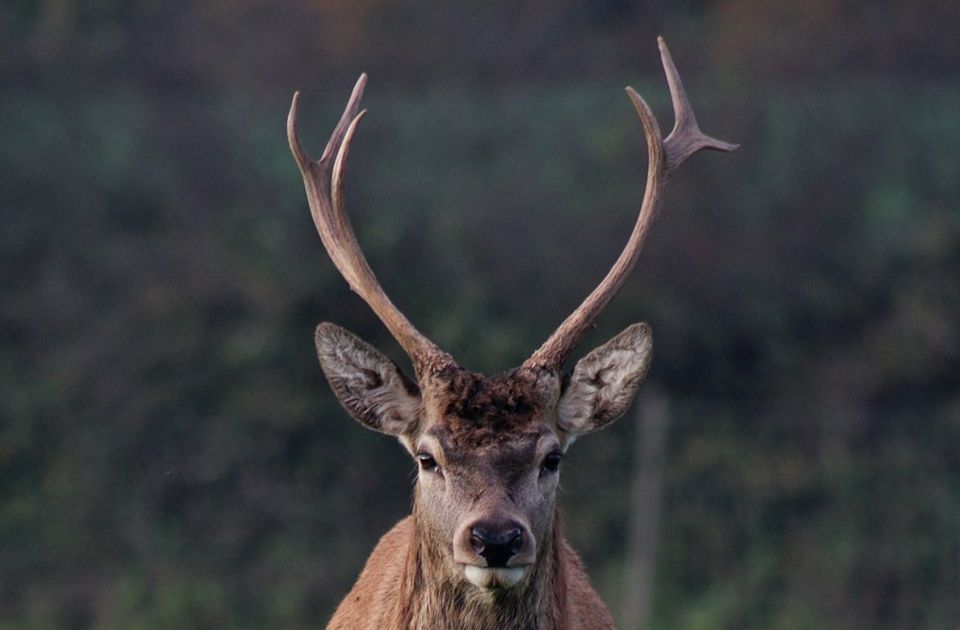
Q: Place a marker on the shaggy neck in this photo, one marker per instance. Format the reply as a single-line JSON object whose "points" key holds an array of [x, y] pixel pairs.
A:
{"points": [[436, 595]]}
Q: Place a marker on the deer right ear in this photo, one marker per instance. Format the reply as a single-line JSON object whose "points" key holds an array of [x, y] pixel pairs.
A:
{"points": [[369, 385], [605, 381]]}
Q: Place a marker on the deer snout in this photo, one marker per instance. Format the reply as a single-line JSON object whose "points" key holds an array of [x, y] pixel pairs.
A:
{"points": [[494, 544], [497, 547]]}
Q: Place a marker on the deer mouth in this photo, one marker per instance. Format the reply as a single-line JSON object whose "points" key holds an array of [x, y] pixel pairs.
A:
{"points": [[494, 578]]}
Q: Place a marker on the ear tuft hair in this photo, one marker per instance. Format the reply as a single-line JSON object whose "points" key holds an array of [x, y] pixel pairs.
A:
{"points": [[604, 382], [369, 385]]}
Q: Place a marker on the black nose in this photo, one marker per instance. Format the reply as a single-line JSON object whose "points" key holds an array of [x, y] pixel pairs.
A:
{"points": [[496, 545]]}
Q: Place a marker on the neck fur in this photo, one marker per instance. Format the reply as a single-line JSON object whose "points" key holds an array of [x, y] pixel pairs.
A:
{"points": [[434, 593]]}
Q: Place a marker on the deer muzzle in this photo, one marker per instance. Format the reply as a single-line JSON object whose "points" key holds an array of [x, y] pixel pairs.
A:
{"points": [[494, 553]]}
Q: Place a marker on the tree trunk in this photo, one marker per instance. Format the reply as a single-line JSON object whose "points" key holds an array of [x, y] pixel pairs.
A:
{"points": [[647, 483]]}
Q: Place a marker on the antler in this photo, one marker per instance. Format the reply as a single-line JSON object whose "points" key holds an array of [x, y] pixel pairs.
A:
{"points": [[664, 156], [323, 181]]}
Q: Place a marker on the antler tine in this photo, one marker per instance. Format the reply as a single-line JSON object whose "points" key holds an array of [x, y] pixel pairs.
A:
{"points": [[685, 138], [323, 181], [663, 157]]}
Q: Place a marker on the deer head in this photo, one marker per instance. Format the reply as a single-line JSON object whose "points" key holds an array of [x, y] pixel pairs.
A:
{"points": [[488, 449]]}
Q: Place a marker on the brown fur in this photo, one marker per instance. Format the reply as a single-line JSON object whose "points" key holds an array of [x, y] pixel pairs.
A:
{"points": [[483, 411], [394, 592], [488, 437]]}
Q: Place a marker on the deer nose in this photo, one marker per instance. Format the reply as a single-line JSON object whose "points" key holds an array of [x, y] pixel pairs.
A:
{"points": [[496, 545]]}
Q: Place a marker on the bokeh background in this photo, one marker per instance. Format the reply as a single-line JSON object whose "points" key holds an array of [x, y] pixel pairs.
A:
{"points": [[170, 456]]}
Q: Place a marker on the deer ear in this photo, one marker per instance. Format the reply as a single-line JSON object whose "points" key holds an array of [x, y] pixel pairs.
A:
{"points": [[604, 382], [369, 385]]}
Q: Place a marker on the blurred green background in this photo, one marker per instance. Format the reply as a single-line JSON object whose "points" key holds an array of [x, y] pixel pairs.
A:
{"points": [[170, 456]]}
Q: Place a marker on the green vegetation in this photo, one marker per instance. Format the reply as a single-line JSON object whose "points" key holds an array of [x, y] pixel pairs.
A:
{"points": [[170, 456]]}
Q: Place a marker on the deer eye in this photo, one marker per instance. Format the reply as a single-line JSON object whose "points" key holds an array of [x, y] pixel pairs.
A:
{"points": [[551, 463], [427, 462]]}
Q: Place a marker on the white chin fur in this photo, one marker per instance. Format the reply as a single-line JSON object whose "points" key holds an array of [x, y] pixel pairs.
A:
{"points": [[485, 577]]}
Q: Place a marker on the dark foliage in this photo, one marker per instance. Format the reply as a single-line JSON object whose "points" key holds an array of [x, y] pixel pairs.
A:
{"points": [[170, 456]]}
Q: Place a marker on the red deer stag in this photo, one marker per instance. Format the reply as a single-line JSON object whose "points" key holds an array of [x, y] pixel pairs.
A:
{"points": [[482, 548]]}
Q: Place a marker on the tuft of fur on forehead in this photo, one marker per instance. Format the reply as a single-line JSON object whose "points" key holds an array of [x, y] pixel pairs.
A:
{"points": [[482, 411]]}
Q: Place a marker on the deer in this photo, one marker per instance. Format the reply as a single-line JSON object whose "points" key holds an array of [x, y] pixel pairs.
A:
{"points": [[482, 548]]}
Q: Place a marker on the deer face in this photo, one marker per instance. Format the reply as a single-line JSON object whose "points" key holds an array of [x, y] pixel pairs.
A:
{"points": [[488, 450]]}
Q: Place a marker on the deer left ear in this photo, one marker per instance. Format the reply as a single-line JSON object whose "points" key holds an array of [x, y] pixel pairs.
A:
{"points": [[369, 385], [605, 381]]}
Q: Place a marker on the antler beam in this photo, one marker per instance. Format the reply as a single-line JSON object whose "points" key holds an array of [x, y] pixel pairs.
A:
{"points": [[664, 156], [323, 181]]}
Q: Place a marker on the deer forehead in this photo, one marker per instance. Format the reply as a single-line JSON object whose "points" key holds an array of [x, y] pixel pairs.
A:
{"points": [[468, 412], [468, 448]]}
